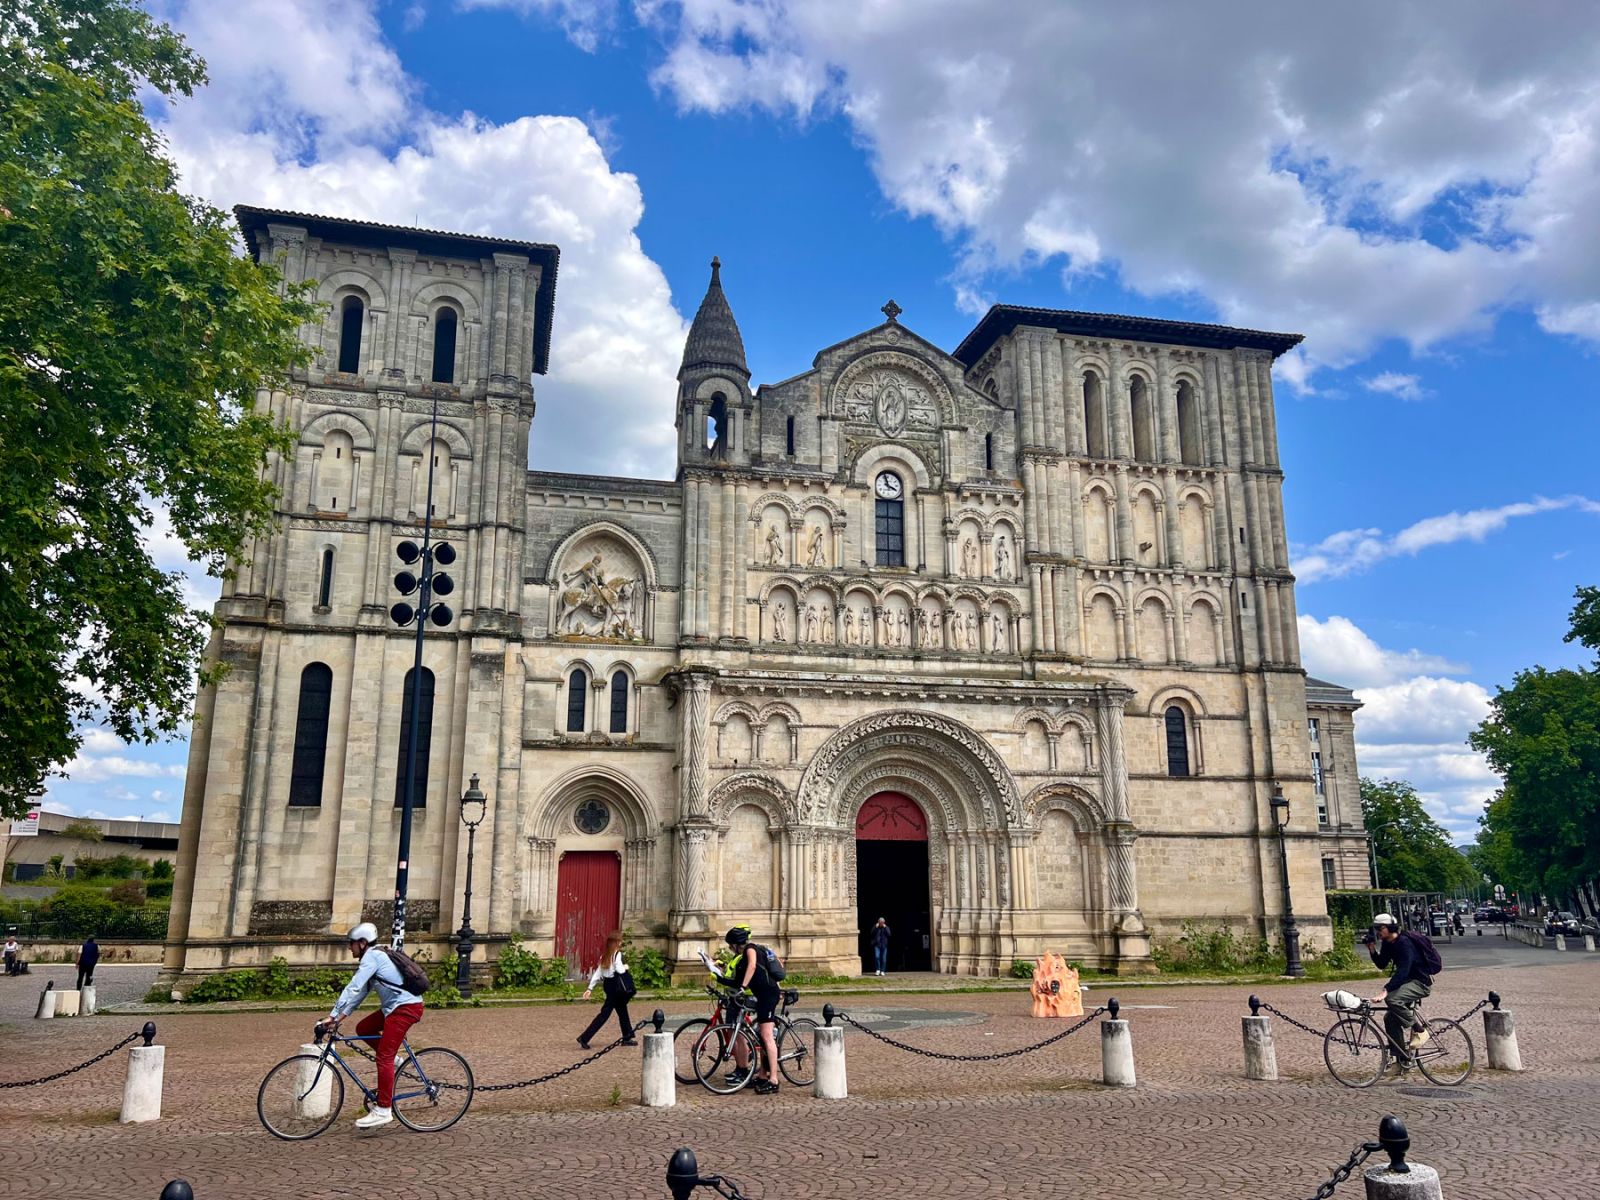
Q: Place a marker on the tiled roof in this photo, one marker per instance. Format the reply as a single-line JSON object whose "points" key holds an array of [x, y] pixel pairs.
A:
{"points": [[714, 339], [1001, 319]]}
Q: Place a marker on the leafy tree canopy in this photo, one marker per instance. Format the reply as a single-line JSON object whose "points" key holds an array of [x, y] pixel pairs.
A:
{"points": [[132, 342], [1542, 736], [1413, 850]]}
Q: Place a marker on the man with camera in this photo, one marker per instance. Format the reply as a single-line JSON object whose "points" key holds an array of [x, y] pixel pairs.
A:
{"points": [[1409, 983]]}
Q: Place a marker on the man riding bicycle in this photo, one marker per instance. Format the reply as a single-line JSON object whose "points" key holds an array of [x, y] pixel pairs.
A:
{"points": [[1408, 985], [398, 1011], [747, 971]]}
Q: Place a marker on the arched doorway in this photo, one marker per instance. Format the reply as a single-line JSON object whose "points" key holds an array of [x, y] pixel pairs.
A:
{"points": [[892, 880]]}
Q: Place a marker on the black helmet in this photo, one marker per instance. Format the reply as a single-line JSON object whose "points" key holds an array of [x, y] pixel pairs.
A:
{"points": [[737, 936]]}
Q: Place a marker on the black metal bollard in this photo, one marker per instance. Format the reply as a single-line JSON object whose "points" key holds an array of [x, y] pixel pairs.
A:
{"points": [[1394, 1139], [1255, 1006], [1113, 1007], [828, 1014], [178, 1189], [148, 1033], [683, 1173], [1494, 1001]]}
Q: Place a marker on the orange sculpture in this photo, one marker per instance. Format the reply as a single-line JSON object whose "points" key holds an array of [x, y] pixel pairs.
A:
{"points": [[1055, 988]]}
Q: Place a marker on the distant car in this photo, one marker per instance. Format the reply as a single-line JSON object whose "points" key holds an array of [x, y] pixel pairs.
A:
{"points": [[1563, 923], [1490, 916]]}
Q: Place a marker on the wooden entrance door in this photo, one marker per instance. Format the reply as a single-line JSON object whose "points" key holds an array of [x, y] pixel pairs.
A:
{"points": [[588, 906]]}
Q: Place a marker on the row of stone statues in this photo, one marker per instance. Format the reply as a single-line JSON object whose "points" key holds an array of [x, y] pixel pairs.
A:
{"points": [[934, 627], [816, 554]]}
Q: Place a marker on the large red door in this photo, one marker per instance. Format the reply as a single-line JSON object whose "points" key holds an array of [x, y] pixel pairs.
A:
{"points": [[588, 905]]}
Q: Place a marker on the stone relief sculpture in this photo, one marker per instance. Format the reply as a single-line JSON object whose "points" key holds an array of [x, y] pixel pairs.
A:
{"points": [[969, 558], [903, 624], [922, 626], [774, 546], [1002, 559], [780, 621], [816, 556], [997, 632], [958, 632], [812, 617], [972, 631], [848, 615], [597, 605]]}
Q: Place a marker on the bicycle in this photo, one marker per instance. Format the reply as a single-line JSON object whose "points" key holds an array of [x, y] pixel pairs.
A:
{"points": [[302, 1095], [714, 1047], [687, 1034], [1357, 1049]]}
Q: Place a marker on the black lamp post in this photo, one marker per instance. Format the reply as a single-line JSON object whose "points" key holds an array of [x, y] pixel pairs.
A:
{"points": [[1291, 931], [474, 805]]}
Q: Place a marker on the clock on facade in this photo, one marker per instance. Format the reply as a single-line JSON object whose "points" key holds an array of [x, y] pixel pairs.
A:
{"points": [[889, 486]]}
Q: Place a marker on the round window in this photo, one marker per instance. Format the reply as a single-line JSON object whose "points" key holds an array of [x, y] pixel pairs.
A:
{"points": [[592, 817]]}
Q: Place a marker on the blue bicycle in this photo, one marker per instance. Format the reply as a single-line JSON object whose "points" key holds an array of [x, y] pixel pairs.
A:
{"points": [[302, 1095]]}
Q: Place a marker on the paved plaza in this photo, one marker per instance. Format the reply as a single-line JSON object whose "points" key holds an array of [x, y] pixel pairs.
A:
{"points": [[1039, 1124]]}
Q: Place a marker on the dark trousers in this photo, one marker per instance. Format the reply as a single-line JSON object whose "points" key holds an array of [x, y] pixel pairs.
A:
{"points": [[617, 1003], [85, 976]]}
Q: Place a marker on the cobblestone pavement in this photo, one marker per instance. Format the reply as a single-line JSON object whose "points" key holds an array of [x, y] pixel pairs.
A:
{"points": [[19, 996], [1040, 1124]]}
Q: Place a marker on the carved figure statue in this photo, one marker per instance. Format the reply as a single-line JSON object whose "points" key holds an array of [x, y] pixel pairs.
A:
{"points": [[849, 618], [969, 558], [609, 602], [1002, 559], [922, 626], [812, 618], [774, 546], [903, 620], [780, 621], [972, 631], [958, 632], [936, 633], [1055, 988], [814, 550], [997, 632]]}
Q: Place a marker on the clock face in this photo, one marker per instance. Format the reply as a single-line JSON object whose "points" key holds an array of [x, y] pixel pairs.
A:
{"points": [[889, 486]]}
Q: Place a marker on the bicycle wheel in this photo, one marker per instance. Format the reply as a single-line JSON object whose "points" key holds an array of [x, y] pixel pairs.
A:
{"points": [[1447, 1056], [714, 1058], [1356, 1052], [797, 1051], [300, 1097], [683, 1048], [432, 1089]]}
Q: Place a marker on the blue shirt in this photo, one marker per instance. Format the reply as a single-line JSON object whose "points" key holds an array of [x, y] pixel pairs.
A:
{"points": [[375, 969]]}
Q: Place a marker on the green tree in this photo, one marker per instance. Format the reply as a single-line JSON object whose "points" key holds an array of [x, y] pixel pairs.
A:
{"points": [[1542, 736], [132, 342], [1414, 852]]}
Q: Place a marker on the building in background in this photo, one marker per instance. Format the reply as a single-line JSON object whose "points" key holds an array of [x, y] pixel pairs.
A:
{"points": [[28, 857], [1336, 784]]}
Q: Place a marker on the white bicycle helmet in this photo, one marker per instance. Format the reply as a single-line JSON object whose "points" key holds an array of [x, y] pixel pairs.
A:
{"points": [[364, 932]]}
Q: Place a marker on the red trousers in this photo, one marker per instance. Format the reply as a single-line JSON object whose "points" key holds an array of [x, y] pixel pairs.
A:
{"points": [[393, 1028]]}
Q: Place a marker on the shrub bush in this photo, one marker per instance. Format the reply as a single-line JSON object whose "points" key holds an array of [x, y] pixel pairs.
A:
{"points": [[518, 967], [115, 866], [159, 869], [227, 985], [129, 893], [1021, 968], [649, 968]]}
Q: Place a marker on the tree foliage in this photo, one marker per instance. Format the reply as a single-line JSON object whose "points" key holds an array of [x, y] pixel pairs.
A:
{"points": [[1413, 850], [132, 341], [1542, 736]]}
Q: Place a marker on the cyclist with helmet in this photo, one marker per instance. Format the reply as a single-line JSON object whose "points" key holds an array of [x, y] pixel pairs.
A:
{"points": [[398, 1011], [747, 971]]}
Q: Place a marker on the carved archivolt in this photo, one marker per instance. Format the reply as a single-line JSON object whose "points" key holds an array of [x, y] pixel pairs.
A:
{"points": [[751, 787], [550, 815], [735, 708], [318, 428], [895, 391], [1084, 808], [417, 437]]}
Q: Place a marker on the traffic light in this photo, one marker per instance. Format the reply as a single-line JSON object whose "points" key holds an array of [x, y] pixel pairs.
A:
{"points": [[429, 584]]}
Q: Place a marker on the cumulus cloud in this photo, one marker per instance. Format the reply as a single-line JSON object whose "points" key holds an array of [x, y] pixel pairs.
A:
{"points": [[1392, 383], [1353, 550], [1339, 650], [1353, 172]]}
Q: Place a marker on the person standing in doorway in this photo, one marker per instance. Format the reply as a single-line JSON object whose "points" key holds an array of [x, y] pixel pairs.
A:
{"points": [[87, 957], [880, 946], [617, 984]]}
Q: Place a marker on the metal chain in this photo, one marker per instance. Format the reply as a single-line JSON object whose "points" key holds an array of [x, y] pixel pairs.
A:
{"points": [[1476, 1008], [851, 1021], [70, 1070], [1278, 1012], [582, 1062], [1362, 1152]]}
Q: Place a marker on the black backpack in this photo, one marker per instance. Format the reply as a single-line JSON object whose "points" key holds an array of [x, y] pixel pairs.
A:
{"points": [[767, 959], [412, 977], [1426, 952]]}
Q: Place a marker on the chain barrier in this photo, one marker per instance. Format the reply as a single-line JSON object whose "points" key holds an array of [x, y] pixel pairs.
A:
{"points": [[567, 1070], [104, 1054], [1320, 1033], [1341, 1173], [855, 1024]]}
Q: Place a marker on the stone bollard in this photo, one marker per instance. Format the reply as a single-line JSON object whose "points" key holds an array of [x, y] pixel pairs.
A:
{"points": [[67, 1002], [141, 1094], [1260, 1056], [1397, 1179], [87, 1004], [658, 1087], [831, 1083], [178, 1189], [47, 1002], [1500, 1035], [1588, 942], [1561, 941], [1116, 1049], [315, 1091]]}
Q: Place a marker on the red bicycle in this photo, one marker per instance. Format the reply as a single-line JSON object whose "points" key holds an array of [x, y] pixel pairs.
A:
{"points": [[794, 1052]]}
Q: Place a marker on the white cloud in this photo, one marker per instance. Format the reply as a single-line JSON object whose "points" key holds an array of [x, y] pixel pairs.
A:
{"points": [[1291, 166], [1422, 709], [1339, 650], [1392, 383], [1352, 550], [103, 768]]}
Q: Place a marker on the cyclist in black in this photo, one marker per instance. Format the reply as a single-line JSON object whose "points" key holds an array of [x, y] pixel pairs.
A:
{"points": [[746, 971]]}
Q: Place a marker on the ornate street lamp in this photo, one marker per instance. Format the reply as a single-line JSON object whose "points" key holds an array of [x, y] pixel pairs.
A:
{"points": [[474, 805], [1291, 932]]}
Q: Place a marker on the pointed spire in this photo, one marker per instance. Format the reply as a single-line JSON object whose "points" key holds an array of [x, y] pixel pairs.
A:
{"points": [[714, 339]]}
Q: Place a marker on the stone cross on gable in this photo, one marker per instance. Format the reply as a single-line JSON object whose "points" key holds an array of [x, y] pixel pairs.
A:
{"points": [[891, 310]]}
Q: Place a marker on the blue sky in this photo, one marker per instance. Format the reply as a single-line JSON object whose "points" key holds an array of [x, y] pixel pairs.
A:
{"points": [[1413, 191]]}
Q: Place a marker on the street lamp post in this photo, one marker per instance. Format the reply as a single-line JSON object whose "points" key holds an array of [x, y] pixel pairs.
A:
{"points": [[1372, 849], [1291, 931], [474, 805]]}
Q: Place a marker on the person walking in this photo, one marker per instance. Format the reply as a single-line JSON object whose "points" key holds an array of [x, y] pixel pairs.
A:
{"points": [[398, 1011], [13, 953], [87, 957], [880, 945], [616, 983], [1409, 984]]}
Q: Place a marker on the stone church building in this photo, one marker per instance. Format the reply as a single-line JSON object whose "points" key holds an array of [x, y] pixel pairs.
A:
{"points": [[996, 642]]}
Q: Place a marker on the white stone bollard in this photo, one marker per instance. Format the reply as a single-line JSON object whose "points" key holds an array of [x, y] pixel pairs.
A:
{"points": [[1116, 1050], [141, 1094], [315, 1091], [47, 1003], [1588, 942], [1561, 941], [1418, 1183], [831, 1083], [87, 1004], [67, 1002], [658, 1086], [1260, 1056], [1500, 1035]]}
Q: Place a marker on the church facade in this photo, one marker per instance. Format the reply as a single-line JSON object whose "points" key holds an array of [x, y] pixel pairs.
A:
{"points": [[997, 643]]}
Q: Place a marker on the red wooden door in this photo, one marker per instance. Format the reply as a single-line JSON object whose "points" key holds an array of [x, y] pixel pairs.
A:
{"points": [[588, 906]]}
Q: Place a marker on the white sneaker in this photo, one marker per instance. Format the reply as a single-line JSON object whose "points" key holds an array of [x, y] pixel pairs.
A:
{"points": [[377, 1117]]}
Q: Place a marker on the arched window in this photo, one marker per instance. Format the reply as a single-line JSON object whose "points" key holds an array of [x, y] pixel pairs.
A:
{"points": [[1144, 425], [352, 314], [325, 584], [444, 346], [577, 700], [619, 702], [1189, 447], [890, 520], [424, 738], [717, 426], [1177, 742], [1094, 416], [789, 438], [310, 736], [988, 452]]}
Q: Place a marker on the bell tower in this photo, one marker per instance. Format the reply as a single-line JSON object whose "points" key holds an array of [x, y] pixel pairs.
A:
{"points": [[714, 403]]}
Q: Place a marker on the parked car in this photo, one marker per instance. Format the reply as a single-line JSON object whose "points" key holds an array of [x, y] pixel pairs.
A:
{"points": [[1489, 915], [1563, 923]]}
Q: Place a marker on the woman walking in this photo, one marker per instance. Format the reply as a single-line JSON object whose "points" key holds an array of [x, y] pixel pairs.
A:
{"points": [[617, 984]]}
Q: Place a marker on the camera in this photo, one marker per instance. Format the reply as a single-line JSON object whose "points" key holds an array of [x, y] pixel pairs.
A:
{"points": [[1368, 938]]}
